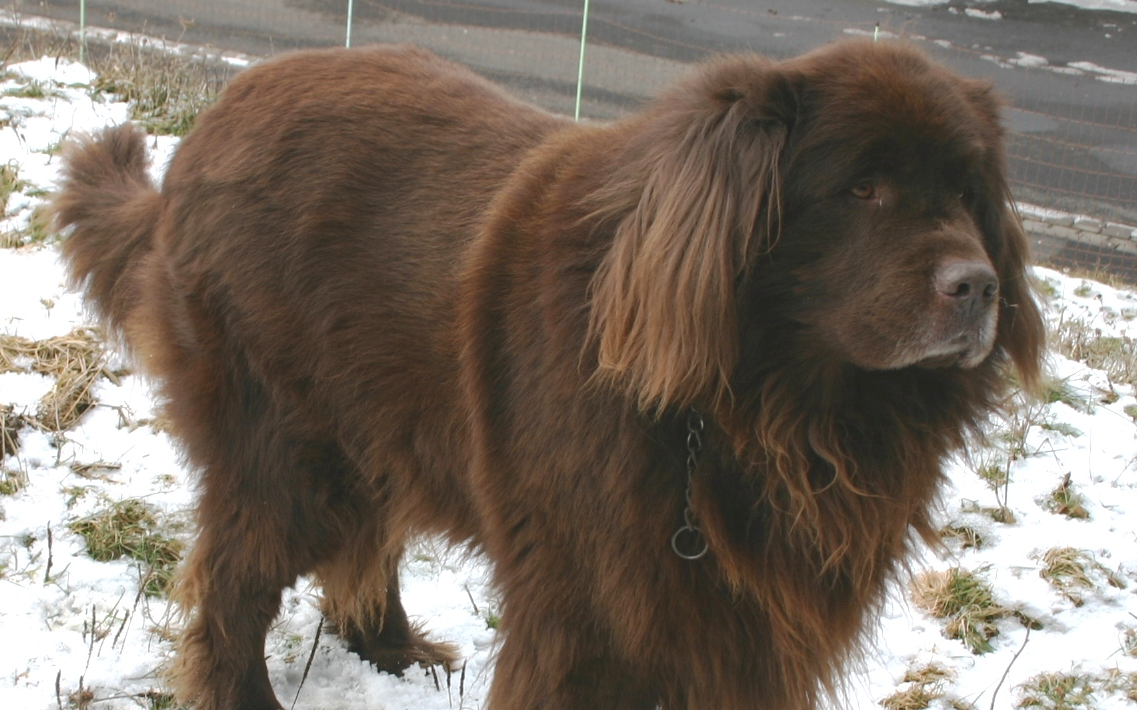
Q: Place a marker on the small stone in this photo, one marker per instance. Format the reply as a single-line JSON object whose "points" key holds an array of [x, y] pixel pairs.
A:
{"points": [[1122, 231], [1087, 224], [1055, 230], [1125, 245]]}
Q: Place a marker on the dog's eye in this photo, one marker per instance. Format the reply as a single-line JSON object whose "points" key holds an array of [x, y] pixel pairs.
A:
{"points": [[863, 190]]}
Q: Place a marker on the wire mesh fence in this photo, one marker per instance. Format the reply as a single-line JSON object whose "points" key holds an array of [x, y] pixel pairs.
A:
{"points": [[1072, 129]]}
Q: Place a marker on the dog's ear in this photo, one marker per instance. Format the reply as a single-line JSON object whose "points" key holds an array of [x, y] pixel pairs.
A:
{"points": [[1022, 332], [699, 178]]}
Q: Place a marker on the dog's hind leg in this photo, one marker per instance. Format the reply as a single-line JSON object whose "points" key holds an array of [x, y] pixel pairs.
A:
{"points": [[270, 490], [363, 602]]}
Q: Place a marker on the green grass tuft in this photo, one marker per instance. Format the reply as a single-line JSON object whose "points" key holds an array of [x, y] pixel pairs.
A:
{"points": [[129, 529], [993, 475], [30, 90], [156, 700], [1084, 290], [10, 182], [1061, 428], [1047, 288], [10, 425], [1065, 500], [965, 602], [1066, 570], [965, 535], [1058, 691], [12, 482]]}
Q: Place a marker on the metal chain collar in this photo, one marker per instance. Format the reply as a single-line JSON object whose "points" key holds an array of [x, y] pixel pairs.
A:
{"points": [[688, 541]]}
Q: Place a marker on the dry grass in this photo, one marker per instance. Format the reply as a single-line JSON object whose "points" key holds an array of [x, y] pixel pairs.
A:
{"points": [[130, 529], [965, 602], [9, 182], [1098, 274], [76, 361], [1058, 691], [991, 462], [1116, 355], [1123, 684], [32, 90], [1066, 570], [10, 425], [97, 471], [994, 475], [12, 482], [923, 686], [1129, 642], [25, 43], [1065, 500], [965, 535], [1002, 514], [1072, 572], [158, 700], [38, 230], [166, 92], [914, 697], [1074, 690]]}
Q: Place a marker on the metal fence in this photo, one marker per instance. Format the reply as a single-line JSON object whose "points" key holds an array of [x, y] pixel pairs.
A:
{"points": [[1072, 146]]}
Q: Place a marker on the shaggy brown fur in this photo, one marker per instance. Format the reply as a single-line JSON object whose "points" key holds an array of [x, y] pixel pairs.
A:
{"points": [[382, 298]]}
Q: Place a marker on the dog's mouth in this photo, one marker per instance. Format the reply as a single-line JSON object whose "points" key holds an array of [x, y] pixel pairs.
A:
{"points": [[940, 362], [929, 348], [964, 351], [946, 361]]}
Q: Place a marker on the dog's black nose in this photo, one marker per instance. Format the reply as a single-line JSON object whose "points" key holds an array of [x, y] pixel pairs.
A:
{"points": [[972, 283]]}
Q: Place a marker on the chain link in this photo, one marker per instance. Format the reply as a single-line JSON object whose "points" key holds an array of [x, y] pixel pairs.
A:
{"points": [[688, 541]]}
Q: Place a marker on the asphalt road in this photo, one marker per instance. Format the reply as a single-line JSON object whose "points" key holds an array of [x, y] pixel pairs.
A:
{"points": [[1073, 130]]}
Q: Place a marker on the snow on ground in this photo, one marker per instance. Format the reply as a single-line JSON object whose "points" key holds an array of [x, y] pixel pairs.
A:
{"points": [[1115, 5], [983, 14], [10, 17], [1114, 76], [78, 633]]}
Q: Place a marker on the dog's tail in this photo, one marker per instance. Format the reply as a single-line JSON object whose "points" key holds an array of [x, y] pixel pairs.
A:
{"points": [[108, 199]]}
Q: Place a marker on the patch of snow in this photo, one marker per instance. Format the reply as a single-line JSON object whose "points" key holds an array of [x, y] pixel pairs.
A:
{"points": [[9, 18], [1113, 76], [1114, 5], [983, 14], [917, 3], [879, 33], [1028, 60]]}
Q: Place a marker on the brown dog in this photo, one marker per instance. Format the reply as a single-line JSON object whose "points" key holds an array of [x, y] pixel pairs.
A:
{"points": [[687, 379]]}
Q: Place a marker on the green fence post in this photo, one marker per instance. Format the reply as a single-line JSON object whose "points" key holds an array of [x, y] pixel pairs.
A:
{"points": [[350, 12], [580, 70]]}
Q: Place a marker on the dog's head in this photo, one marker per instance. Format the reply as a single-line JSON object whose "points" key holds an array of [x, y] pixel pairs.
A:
{"points": [[850, 203]]}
